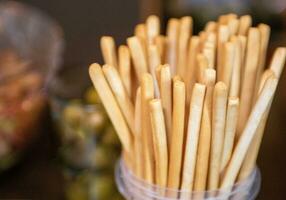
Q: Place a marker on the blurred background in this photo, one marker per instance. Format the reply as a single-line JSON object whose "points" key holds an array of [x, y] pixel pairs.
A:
{"points": [[56, 141]]}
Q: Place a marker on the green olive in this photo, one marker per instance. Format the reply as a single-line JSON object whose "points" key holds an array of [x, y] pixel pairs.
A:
{"points": [[95, 121], [103, 187], [91, 96], [73, 115], [110, 137]]}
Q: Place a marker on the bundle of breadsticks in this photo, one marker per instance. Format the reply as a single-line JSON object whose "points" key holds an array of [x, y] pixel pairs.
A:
{"points": [[190, 110]]}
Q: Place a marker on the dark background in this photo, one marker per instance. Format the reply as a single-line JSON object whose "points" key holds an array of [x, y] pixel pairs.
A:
{"points": [[83, 22]]}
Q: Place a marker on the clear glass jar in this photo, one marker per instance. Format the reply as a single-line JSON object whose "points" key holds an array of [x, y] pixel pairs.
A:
{"points": [[133, 188]]}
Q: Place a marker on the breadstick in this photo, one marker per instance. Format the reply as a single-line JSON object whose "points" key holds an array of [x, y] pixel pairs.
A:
{"points": [[152, 28], [245, 22], [236, 76], [244, 142], [160, 142], [223, 36], [218, 128], [138, 56], [210, 26], [124, 61], [205, 133], [107, 45], [138, 147], [230, 128], [191, 65], [185, 31], [172, 35], [228, 62], [111, 106], [243, 42], [264, 40], [124, 102], [176, 148], [249, 77], [154, 62], [278, 61], [147, 93], [233, 25], [277, 64], [141, 33], [166, 96], [202, 65], [192, 137], [160, 42], [222, 20], [209, 51]]}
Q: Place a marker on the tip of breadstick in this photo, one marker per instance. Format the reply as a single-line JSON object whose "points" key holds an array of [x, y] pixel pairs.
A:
{"points": [[233, 100], [155, 104], [220, 86], [209, 77], [177, 78], [199, 87], [94, 68], [106, 40], [152, 17]]}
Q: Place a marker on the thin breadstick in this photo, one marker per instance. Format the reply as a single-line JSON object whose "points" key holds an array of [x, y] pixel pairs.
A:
{"points": [[211, 27], [253, 122], [176, 148], [203, 38], [152, 28], [108, 50], [264, 40], [172, 37], [202, 65], [111, 106], [191, 66], [236, 76], [141, 33], [158, 75], [243, 43], [160, 42], [185, 31], [245, 23], [228, 62], [147, 93], [160, 142], [124, 102], [277, 64], [230, 128], [202, 162], [223, 36], [166, 96], [252, 153], [233, 25], [138, 148], [138, 56], [192, 138], [177, 78], [124, 61], [154, 62], [249, 77], [278, 61], [209, 53], [222, 20], [218, 128]]}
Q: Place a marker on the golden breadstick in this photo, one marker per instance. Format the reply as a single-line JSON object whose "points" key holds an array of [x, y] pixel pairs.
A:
{"points": [[172, 37], [278, 61], [191, 66], [141, 33], [108, 50], [264, 40], [192, 138], [177, 78], [202, 65], [233, 25], [160, 142], [166, 96], [147, 93], [223, 36], [111, 106], [124, 61], [236, 76], [124, 102], [138, 147], [253, 122], [210, 26], [277, 64], [154, 62], [222, 20], [152, 28], [205, 133], [160, 42], [185, 31], [230, 128], [249, 77], [158, 75], [227, 62], [243, 42], [218, 128], [245, 22], [138, 56], [176, 148], [209, 51]]}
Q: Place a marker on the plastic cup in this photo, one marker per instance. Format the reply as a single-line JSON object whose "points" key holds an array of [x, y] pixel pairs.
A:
{"points": [[133, 188]]}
